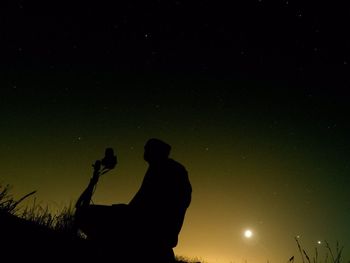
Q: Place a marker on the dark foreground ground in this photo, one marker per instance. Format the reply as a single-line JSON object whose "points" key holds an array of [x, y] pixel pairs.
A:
{"points": [[26, 241]]}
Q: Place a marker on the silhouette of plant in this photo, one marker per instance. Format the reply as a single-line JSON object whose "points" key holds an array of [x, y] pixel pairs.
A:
{"points": [[335, 257], [7, 203], [181, 259], [61, 222]]}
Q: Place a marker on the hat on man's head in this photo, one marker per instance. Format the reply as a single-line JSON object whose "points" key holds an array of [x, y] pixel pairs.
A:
{"points": [[158, 146]]}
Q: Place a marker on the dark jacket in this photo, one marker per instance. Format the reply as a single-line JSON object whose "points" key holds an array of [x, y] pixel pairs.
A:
{"points": [[162, 201]]}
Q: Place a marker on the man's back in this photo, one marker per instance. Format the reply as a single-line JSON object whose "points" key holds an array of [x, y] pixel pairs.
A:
{"points": [[163, 199]]}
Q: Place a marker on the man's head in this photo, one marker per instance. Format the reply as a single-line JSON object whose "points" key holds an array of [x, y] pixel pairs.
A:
{"points": [[156, 151]]}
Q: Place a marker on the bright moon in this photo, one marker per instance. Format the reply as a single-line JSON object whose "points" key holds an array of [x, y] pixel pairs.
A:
{"points": [[248, 233]]}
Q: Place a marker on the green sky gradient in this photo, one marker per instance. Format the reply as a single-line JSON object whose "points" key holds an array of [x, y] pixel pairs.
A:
{"points": [[266, 155]]}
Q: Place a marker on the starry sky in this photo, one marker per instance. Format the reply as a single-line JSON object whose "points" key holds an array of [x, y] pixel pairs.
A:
{"points": [[252, 96]]}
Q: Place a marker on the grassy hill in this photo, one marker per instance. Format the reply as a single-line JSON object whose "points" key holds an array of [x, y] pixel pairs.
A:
{"points": [[33, 234]]}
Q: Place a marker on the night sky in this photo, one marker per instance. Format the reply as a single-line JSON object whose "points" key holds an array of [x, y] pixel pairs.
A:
{"points": [[252, 96]]}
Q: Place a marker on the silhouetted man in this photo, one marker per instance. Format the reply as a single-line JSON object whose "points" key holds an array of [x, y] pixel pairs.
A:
{"points": [[162, 199], [148, 227]]}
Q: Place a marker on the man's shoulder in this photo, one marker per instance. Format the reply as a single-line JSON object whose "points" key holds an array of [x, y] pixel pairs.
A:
{"points": [[175, 164]]}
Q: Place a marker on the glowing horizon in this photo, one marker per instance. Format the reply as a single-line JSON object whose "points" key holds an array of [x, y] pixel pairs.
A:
{"points": [[269, 168]]}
